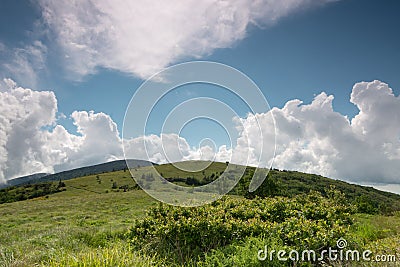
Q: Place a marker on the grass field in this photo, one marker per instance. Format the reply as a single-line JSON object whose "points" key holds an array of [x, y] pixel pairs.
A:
{"points": [[81, 218], [86, 225], [188, 169]]}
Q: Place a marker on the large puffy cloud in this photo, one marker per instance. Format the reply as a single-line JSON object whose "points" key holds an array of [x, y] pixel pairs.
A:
{"points": [[171, 148], [22, 114], [31, 141], [314, 138], [98, 141], [141, 37], [309, 137]]}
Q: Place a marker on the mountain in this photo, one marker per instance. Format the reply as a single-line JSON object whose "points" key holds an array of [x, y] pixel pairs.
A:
{"points": [[23, 180], [285, 183], [74, 173], [104, 177]]}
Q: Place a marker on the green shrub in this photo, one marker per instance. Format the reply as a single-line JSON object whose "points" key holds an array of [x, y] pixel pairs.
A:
{"points": [[366, 205], [24, 192], [188, 234]]}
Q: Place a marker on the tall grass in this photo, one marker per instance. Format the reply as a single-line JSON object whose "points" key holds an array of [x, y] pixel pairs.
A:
{"points": [[115, 255]]}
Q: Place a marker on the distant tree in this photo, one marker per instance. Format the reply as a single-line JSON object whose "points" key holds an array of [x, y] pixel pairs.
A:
{"points": [[124, 187], [268, 188], [114, 185], [207, 179], [60, 184], [150, 177], [192, 181]]}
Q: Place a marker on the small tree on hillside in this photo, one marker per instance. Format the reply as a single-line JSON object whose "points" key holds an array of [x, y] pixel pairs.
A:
{"points": [[60, 184], [114, 185]]}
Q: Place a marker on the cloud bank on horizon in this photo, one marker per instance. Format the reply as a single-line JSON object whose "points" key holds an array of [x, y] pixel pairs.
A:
{"points": [[310, 137], [141, 38]]}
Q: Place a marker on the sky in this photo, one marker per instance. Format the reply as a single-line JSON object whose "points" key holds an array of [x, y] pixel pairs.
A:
{"points": [[328, 69]]}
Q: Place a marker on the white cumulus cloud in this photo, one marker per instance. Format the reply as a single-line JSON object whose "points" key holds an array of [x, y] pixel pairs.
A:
{"points": [[171, 148], [98, 141], [31, 141], [22, 114], [309, 137], [314, 138]]}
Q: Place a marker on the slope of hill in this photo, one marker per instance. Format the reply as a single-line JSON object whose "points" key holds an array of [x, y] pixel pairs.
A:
{"points": [[114, 175], [87, 223], [291, 183], [286, 183], [29, 191], [79, 172], [23, 180]]}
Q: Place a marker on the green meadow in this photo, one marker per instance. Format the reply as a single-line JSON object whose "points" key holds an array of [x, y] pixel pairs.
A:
{"points": [[106, 220]]}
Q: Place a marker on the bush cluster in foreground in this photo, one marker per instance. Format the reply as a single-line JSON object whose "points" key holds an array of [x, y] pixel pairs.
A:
{"points": [[230, 231]]}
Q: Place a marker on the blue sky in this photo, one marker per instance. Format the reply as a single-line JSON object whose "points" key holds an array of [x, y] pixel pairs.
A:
{"points": [[323, 49], [302, 51]]}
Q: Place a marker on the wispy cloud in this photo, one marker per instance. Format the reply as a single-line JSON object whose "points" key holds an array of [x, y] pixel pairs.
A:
{"points": [[24, 63], [141, 37]]}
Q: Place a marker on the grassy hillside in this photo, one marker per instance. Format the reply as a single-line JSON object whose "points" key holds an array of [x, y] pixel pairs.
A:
{"points": [[291, 183], [278, 183], [285, 183], [23, 192], [23, 180], [112, 166], [182, 171], [100, 220], [81, 218]]}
